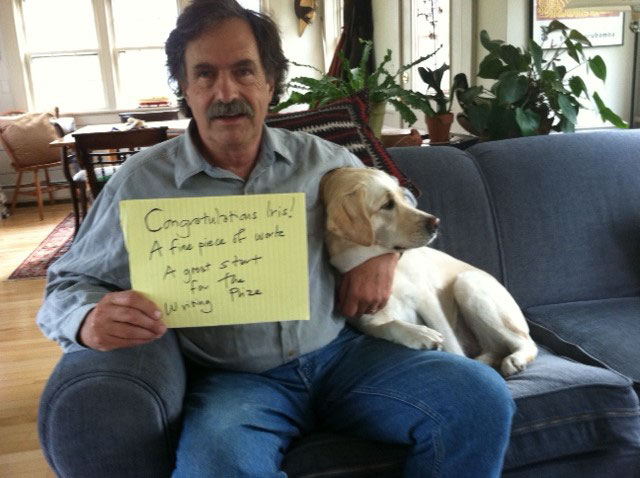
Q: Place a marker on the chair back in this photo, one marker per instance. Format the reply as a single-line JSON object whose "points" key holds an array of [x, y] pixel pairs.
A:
{"points": [[99, 154]]}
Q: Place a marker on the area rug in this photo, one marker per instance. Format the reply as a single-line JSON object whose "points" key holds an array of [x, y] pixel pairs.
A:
{"points": [[49, 250]]}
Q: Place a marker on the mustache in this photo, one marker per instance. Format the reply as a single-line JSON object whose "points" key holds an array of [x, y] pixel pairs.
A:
{"points": [[234, 107]]}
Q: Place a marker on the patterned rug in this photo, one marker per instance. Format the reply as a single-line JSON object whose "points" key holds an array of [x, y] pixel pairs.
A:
{"points": [[49, 250]]}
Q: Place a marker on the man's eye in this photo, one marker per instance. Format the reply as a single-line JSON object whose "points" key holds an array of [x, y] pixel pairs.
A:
{"points": [[390, 204], [241, 72]]}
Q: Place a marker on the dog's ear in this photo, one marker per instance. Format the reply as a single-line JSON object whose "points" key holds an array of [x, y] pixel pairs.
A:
{"points": [[347, 217]]}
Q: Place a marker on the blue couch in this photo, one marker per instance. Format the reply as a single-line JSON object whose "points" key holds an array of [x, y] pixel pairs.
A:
{"points": [[555, 218]]}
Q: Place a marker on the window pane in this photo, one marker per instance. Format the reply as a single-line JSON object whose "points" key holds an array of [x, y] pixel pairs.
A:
{"points": [[60, 25], [143, 22], [250, 4], [71, 82], [143, 74], [431, 24]]}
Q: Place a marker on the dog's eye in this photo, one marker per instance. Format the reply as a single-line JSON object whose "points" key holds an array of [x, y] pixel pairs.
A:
{"points": [[390, 204]]}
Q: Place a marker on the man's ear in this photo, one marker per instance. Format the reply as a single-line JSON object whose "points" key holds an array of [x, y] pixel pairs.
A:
{"points": [[271, 83], [347, 217], [183, 90]]}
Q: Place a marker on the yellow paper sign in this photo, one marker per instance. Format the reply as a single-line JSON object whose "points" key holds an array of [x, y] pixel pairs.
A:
{"points": [[220, 260]]}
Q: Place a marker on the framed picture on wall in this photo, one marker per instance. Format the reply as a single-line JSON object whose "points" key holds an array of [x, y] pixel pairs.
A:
{"points": [[602, 28]]}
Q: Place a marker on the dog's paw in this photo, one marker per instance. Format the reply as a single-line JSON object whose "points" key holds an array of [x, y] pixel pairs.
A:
{"points": [[421, 337], [492, 359], [512, 364]]}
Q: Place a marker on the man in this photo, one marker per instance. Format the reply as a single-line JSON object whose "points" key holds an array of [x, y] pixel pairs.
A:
{"points": [[256, 387]]}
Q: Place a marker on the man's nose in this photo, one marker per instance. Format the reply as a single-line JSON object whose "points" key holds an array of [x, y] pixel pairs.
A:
{"points": [[226, 88]]}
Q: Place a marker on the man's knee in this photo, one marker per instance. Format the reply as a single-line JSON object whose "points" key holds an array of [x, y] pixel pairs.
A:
{"points": [[479, 395]]}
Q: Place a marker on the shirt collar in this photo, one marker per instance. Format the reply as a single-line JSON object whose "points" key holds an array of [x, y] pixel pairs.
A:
{"points": [[273, 148]]}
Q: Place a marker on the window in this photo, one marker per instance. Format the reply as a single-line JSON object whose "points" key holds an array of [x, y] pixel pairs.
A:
{"points": [[332, 18], [431, 27], [250, 4], [84, 55], [452, 28]]}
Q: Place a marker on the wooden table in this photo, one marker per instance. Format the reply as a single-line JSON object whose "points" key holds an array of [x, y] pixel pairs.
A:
{"points": [[175, 128]]}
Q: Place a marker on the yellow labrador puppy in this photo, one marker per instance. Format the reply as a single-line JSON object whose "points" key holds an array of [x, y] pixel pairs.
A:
{"points": [[437, 301]]}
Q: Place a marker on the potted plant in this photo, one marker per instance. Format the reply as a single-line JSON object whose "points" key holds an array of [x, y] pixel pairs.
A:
{"points": [[440, 118], [533, 92], [381, 86]]}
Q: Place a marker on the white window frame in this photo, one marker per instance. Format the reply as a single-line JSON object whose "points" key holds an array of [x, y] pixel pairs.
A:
{"points": [[332, 19], [460, 37], [107, 54]]}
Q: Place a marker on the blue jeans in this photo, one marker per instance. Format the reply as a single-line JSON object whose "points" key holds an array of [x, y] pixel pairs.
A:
{"points": [[453, 413]]}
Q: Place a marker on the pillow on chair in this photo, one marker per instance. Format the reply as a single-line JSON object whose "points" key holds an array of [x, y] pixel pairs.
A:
{"points": [[29, 135], [345, 122]]}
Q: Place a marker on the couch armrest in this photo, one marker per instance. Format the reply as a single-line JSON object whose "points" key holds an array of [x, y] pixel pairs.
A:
{"points": [[107, 414]]}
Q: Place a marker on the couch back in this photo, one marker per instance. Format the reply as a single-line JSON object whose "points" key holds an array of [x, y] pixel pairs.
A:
{"points": [[555, 218]]}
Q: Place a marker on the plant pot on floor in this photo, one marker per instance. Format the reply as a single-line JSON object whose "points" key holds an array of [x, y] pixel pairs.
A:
{"points": [[439, 127]]}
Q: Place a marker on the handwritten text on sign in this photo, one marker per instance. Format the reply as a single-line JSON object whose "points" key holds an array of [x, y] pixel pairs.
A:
{"points": [[220, 260]]}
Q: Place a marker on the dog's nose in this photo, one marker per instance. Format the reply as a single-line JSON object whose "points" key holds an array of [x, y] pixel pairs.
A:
{"points": [[432, 224]]}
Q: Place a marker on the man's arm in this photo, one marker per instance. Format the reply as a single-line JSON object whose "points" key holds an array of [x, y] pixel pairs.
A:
{"points": [[87, 298], [367, 287]]}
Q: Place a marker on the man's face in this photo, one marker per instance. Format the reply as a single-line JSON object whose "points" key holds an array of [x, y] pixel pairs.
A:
{"points": [[226, 87]]}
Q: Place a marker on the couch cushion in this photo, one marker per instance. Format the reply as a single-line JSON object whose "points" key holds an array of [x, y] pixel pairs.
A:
{"points": [[566, 408], [453, 189], [344, 122], [605, 332], [567, 208], [28, 135]]}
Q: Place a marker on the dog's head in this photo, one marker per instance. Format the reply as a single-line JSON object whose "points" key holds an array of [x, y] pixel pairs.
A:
{"points": [[367, 206]]}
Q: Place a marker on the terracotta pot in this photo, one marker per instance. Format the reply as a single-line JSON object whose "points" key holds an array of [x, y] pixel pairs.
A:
{"points": [[439, 127]]}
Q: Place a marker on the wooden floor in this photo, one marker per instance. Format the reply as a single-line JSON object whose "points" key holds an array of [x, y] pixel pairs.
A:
{"points": [[26, 356]]}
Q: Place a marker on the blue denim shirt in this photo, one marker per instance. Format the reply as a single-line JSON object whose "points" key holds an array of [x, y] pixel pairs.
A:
{"points": [[97, 263]]}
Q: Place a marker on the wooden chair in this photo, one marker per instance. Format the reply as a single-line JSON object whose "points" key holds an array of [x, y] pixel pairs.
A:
{"points": [[74, 174], [25, 138], [100, 154]]}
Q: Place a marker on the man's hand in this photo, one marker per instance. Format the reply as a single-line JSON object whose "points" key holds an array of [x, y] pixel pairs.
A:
{"points": [[367, 287], [121, 319]]}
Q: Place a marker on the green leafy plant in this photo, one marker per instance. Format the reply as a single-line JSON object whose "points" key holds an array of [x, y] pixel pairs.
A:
{"points": [[533, 93], [433, 79], [381, 85]]}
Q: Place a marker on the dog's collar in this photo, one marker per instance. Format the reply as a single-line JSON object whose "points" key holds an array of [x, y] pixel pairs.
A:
{"points": [[356, 255]]}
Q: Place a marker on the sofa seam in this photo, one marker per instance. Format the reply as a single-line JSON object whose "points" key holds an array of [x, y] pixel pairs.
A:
{"points": [[494, 218], [589, 385], [558, 421], [584, 301]]}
